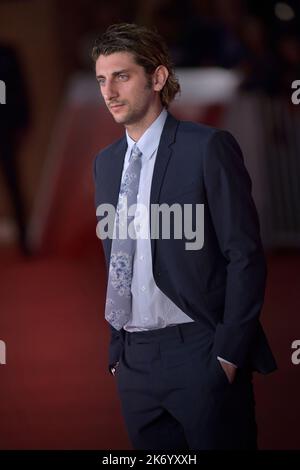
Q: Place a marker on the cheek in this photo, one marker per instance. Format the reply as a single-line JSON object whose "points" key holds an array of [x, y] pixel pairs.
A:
{"points": [[140, 95]]}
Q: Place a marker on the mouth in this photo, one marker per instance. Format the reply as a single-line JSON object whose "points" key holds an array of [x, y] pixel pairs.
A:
{"points": [[114, 107]]}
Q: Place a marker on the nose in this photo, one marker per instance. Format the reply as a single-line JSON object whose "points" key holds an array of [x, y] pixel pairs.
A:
{"points": [[109, 91]]}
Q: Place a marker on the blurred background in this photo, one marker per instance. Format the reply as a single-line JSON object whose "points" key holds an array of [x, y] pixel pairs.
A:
{"points": [[236, 61]]}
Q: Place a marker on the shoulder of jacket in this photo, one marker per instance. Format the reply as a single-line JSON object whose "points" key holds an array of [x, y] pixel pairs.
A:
{"points": [[111, 148], [197, 131]]}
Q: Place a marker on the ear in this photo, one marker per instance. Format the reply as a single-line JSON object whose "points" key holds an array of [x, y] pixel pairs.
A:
{"points": [[160, 77]]}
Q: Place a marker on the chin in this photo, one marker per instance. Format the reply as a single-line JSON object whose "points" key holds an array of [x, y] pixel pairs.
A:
{"points": [[120, 119]]}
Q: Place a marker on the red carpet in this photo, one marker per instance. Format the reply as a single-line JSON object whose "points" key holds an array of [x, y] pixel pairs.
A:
{"points": [[55, 392], [278, 407]]}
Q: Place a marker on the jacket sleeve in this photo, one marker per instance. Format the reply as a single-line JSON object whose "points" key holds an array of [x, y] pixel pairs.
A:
{"points": [[236, 224]]}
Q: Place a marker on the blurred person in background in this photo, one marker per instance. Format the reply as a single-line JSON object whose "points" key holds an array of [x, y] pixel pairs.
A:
{"points": [[14, 121], [185, 329]]}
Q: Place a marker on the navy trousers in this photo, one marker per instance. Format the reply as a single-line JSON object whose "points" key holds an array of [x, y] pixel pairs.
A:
{"points": [[175, 395]]}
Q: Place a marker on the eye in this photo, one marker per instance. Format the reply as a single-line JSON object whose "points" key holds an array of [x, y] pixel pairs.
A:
{"points": [[101, 81], [123, 77]]}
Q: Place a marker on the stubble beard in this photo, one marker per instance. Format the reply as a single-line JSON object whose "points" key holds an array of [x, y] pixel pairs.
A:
{"points": [[133, 116]]}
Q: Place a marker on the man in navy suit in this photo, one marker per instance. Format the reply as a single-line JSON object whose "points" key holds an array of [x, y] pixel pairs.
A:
{"points": [[184, 358]]}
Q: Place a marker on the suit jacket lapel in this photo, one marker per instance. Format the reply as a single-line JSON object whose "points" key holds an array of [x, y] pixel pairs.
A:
{"points": [[164, 153], [111, 177], [115, 167]]}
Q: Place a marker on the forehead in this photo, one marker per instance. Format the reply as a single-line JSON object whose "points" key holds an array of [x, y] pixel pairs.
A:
{"points": [[114, 62]]}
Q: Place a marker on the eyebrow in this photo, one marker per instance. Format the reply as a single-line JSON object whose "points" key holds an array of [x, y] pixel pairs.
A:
{"points": [[114, 74]]}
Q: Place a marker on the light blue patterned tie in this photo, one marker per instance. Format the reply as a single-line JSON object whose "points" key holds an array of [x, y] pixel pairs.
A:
{"points": [[118, 296]]}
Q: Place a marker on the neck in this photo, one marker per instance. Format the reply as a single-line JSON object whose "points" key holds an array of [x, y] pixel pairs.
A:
{"points": [[136, 130]]}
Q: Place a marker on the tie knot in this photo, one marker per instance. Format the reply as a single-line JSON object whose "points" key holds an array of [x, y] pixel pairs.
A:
{"points": [[135, 153]]}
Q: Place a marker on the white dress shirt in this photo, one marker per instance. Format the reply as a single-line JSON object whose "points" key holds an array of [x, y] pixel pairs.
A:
{"points": [[151, 308]]}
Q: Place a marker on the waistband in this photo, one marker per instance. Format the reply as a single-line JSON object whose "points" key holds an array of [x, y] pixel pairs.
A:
{"points": [[180, 331]]}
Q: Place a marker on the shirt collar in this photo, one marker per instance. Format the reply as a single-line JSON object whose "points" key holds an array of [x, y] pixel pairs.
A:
{"points": [[149, 141]]}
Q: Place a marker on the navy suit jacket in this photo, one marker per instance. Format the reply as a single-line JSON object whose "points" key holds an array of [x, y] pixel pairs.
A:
{"points": [[221, 285]]}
